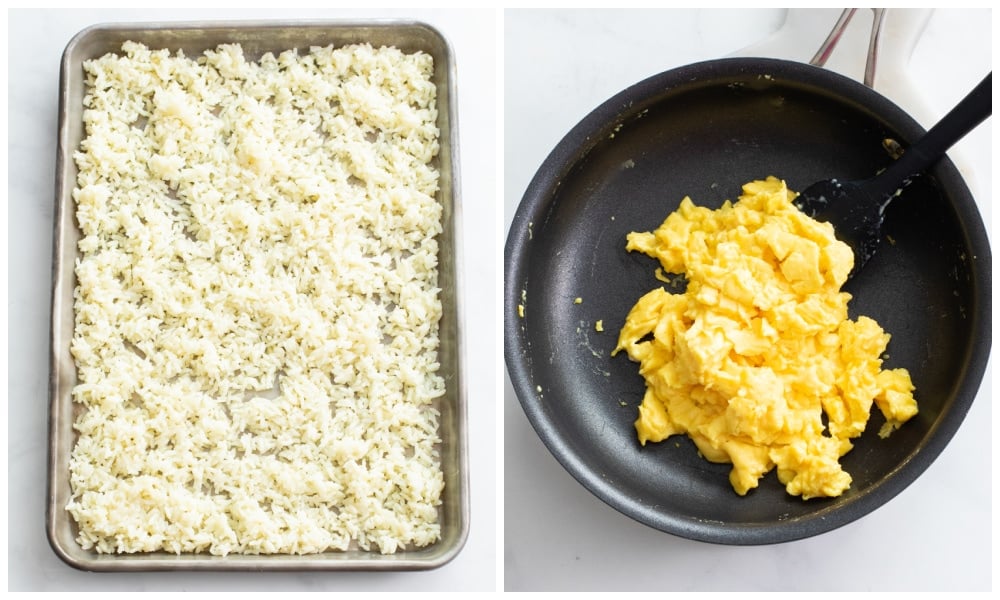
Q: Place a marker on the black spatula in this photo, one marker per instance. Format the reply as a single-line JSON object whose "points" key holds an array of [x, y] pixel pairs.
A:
{"points": [[856, 208]]}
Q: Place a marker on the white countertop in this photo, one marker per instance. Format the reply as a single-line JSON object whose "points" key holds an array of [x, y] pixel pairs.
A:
{"points": [[557, 67], [935, 535], [36, 42]]}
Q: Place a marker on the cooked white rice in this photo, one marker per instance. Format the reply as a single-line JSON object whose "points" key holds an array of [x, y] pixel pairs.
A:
{"points": [[257, 307]]}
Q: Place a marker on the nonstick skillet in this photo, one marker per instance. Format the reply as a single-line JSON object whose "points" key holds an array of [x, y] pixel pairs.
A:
{"points": [[701, 131]]}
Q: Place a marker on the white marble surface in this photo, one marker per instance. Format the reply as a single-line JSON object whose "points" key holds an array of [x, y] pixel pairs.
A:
{"points": [[936, 535], [36, 42]]}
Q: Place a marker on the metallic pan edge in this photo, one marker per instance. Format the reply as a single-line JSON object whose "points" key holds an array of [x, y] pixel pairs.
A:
{"points": [[257, 38]]}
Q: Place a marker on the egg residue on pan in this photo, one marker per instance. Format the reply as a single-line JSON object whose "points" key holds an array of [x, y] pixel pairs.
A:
{"points": [[759, 347]]}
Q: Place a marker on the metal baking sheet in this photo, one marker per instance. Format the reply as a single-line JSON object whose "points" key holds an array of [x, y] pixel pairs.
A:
{"points": [[257, 38]]}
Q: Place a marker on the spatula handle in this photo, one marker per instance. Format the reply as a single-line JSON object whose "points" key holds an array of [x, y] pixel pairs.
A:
{"points": [[967, 114]]}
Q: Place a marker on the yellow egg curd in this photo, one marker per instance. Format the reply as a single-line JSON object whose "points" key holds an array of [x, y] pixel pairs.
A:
{"points": [[759, 346]]}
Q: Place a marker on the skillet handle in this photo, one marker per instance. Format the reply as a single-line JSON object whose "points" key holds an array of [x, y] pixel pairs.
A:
{"points": [[895, 33], [873, 47], [874, 42], [826, 49]]}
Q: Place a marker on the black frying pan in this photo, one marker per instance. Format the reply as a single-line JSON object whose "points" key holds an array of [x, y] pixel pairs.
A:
{"points": [[703, 130]]}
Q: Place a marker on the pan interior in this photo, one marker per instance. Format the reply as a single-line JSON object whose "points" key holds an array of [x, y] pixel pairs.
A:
{"points": [[704, 140]]}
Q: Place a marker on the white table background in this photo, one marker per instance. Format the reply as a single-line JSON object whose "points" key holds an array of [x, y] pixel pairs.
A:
{"points": [[36, 41], [936, 535], [558, 65]]}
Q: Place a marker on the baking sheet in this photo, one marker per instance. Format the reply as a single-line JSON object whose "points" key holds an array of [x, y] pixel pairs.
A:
{"points": [[256, 39]]}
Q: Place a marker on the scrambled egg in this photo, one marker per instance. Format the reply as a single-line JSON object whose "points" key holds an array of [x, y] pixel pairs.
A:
{"points": [[750, 356]]}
